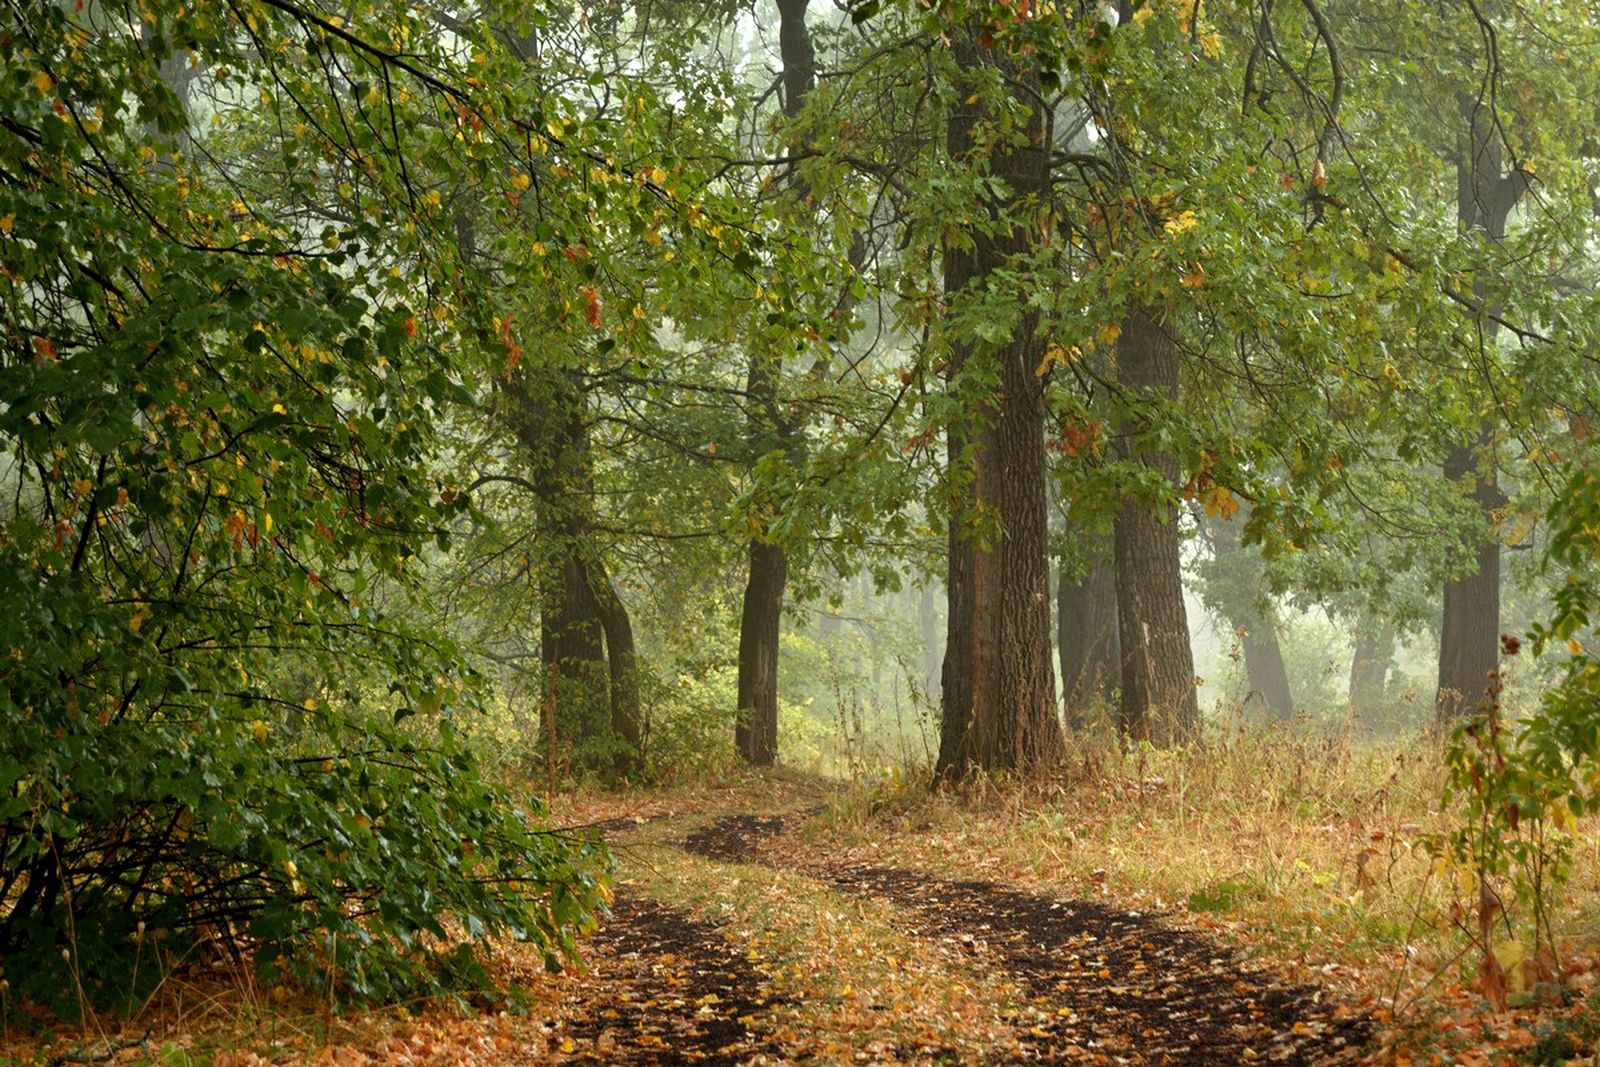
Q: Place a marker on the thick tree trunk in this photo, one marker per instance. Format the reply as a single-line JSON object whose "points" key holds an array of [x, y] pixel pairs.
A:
{"points": [[1086, 628], [1158, 702], [1469, 638], [1241, 595], [999, 710], [573, 650], [586, 638], [756, 730]]}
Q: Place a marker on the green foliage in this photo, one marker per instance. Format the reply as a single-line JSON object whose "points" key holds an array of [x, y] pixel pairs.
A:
{"points": [[1219, 896], [1522, 786], [218, 419]]}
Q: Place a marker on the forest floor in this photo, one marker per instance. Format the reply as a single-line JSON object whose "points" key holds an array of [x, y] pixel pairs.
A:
{"points": [[782, 920]]}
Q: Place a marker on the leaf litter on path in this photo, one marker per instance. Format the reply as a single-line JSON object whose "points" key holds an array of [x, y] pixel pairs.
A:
{"points": [[1105, 985]]}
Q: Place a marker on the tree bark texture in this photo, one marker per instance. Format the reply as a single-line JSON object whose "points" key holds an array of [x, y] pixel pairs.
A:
{"points": [[1087, 635], [587, 648], [756, 729], [1158, 702], [1469, 637], [999, 701]]}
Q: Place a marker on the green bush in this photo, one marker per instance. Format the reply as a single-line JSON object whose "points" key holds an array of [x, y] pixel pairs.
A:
{"points": [[215, 443]]}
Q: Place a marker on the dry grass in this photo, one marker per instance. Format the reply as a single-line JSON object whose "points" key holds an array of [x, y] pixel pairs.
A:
{"points": [[1307, 852]]}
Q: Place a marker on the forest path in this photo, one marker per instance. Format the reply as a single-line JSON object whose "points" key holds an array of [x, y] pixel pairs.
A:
{"points": [[1104, 984], [1082, 982], [665, 988]]}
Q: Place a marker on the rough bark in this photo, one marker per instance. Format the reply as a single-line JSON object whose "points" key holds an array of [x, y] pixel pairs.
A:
{"points": [[1086, 627], [756, 729], [1469, 637], [1158, 702], [999, 711], [586, 637], [1470, 632]]}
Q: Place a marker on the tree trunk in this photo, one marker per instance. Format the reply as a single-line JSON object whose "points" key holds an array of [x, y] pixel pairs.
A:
{"points": [[756, 725], [1469, 637], [1158, 702], [573, 650], [586, 638], [1240, 594], [756, 729], [999, 708], [1369, 664], [627, 719], [1086, 628]]}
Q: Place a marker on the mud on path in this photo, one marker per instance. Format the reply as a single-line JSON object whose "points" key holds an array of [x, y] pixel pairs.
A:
{"points": [[1106, 985], [665, 989]]}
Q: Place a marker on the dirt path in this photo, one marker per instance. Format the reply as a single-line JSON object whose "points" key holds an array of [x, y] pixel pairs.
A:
{"points": [[1107, 985], [665, 988]]}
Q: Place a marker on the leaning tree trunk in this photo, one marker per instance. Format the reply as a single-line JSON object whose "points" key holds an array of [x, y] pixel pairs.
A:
{"points": [[1086, 631], [999, 707], [1469, 637], [1158, 702]]}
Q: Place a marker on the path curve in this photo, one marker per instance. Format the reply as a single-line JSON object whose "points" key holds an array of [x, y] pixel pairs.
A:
{"points": [[1107, 985]]}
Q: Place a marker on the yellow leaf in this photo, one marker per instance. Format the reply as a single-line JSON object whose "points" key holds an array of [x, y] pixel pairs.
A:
{"points": [[1180, 222], [1110, 332], [520, 180], [1219, 502], [310, 704], [259, 728], [279, 409], [7, 222], [1195, 278], [1512, 958], [43, 82], [1575, 646], [1142, 15]]}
